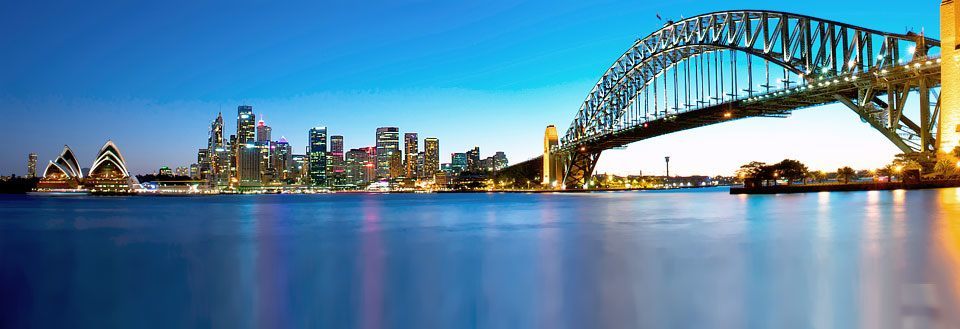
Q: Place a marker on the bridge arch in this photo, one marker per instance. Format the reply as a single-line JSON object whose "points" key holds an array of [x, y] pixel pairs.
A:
{"points": [[810, 57]]}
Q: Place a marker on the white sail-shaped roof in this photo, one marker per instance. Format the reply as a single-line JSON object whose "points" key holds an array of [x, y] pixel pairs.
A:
{"points": [[109, 154]]}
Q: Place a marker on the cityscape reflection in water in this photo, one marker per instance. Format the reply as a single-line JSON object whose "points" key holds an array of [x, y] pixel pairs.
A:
{"points": [[683, 258]]}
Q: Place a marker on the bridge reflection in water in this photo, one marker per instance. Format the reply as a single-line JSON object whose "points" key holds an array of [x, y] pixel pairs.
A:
{"points": [[732, 65]]}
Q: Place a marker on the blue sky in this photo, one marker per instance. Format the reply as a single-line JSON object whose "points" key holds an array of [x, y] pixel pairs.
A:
{"points": [[152, 75]]}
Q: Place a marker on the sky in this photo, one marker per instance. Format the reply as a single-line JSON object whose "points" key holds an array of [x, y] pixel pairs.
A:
{"points": [[151, 76]]}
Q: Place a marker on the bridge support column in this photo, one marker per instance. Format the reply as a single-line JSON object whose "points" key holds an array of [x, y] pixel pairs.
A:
{"points": [[578, 168], [551, 161], [948, 133]]}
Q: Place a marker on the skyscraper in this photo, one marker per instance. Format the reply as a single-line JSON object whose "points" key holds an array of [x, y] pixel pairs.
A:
{"points": [[248, 165], [32, 165], [458, 163], [336, 158], [358, 164], [263, 131], [473, 159], [246, 134], [388, 143], [410, 149], [209, 161], [281, 158], [431, 157], [317, 152]]}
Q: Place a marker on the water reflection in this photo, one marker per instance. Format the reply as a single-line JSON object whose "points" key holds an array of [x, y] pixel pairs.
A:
{"points": [[697, 258]]}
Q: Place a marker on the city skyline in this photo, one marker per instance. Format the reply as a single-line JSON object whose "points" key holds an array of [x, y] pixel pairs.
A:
{"points": [[463, 108]]}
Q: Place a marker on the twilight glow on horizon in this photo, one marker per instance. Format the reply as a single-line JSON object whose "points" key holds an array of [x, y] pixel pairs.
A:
{"points": [[152, 76]]}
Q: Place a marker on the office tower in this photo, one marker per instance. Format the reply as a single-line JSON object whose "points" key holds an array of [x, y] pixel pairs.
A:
{"points": [[194, 171], [32, 165], [208, 159], [419, 167], [248, 165], [246, 134], [388, 143], [458, 163], [431, 157], [410, 149], [317, 152], [396, 164], [499, 161], [281, 157], [263, 131], [165, 171], [357, 165], [336, 165], [473, 159], [298, 168], [267, 172]]}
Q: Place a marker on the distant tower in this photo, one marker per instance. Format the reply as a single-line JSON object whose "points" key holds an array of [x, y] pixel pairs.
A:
{"points": [[431, 157], [32, 165], [388, 143], [949, 130], [317, 154], [551, 165], [246, 133], [410, 148], [668, 165], [263, 131]]}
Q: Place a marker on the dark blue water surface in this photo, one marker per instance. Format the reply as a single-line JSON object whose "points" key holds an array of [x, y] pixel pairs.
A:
{"points": [[681, 259]]}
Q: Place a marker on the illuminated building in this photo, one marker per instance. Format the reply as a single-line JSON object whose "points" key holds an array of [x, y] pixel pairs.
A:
{"points": [[263, 131], [551, 167], [248, 165], [298, 168], [194, 171], [32, 165], [209, 158], [473, 159], [396, 164], [317, 153], [431, 157], [359, 167], [419, 165], [336, 165], [62, 173], [109, 171], [165, 171], [948, 135], [281, 158], [388, 143], [246, 133], [458, 163], [499, 161], [410, 149]]}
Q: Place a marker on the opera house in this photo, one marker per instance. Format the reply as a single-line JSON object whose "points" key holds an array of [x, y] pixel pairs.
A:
{"points": [[108, 174]]}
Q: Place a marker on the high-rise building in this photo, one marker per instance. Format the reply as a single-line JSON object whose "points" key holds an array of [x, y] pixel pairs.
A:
{"points": [[431, 157], [281, 158], [263, 131], [388, 143], [194, 171], [208, 160], [458, 162], [358, 165], [165, 171], [32, 165], [298, 168], [336, 165], [410, 149], [419, 170], [317, 152], [246, 133], [396, 164], [473, 159], [248, 165], [499, 161]]}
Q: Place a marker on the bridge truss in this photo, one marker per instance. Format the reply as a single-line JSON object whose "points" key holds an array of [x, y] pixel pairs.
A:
{"points": [[731, 65]]}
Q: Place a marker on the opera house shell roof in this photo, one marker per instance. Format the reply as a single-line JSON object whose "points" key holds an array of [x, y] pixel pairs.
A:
{"points": [[109, 163], [65, 167]]}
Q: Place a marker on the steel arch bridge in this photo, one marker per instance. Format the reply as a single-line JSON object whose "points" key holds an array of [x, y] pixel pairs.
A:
{"points": [[731, 65]]}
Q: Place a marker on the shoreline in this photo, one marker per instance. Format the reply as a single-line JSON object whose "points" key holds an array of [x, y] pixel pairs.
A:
{"points": [[850, 187]]}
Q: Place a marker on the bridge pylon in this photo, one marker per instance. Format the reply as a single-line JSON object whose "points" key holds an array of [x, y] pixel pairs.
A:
{"points": [[948, 133]]}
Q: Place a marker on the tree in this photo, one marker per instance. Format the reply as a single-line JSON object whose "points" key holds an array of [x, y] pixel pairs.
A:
{"points": [[756, 172], [846, 174], [791, 170], [886, 171], [945, 168]]}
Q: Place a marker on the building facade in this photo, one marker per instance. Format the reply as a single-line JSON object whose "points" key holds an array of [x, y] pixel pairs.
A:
{"points": [[387, 143], [317, 153], [32, 165], [410, 150]]}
